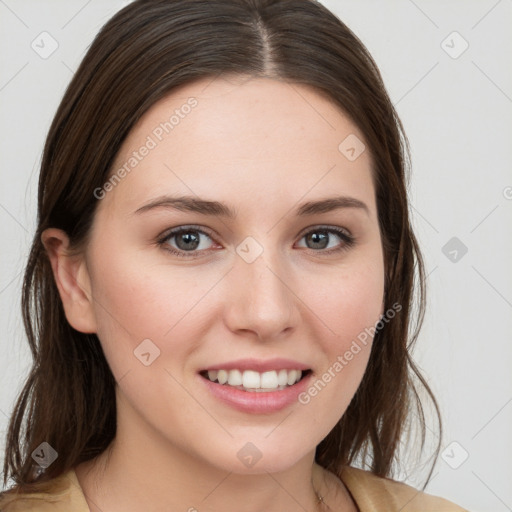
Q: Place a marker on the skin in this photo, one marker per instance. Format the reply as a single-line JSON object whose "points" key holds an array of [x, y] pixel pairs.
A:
{"points": [[263, 147]]}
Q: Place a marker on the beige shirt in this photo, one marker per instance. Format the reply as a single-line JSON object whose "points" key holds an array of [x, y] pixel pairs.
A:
{"points": [[370, 492]]}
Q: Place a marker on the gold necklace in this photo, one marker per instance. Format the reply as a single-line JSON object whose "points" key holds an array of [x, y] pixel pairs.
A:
{"points": [[320, 501]]}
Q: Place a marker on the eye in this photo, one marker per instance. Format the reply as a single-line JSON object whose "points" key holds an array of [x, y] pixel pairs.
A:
{"points": [[187, 240], [320, 238], [188, 243]]}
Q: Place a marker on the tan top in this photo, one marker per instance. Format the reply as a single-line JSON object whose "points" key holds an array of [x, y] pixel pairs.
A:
{"points": [[370, 492]]}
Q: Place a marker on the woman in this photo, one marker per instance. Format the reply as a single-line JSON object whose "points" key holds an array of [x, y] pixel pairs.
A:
{"points": [[219, 291]]}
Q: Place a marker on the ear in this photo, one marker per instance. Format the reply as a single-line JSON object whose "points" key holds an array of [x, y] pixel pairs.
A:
{"points": [[72, 280]]}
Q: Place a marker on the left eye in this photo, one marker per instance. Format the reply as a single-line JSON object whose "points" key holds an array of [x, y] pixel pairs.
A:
{"points": [[188, 240]]}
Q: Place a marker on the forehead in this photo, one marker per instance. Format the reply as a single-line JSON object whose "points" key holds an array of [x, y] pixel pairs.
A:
{"points": [[248, 141]]}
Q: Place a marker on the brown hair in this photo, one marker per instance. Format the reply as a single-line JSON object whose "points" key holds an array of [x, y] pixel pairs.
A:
{"points": [[143, 53]]}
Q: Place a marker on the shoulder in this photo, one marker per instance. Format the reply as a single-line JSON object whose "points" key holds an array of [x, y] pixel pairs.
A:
{"points": [[63, 494], [373, 493]]}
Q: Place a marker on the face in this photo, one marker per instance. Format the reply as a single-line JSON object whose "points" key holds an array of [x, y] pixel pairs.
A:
{"points": [[286, 283]]}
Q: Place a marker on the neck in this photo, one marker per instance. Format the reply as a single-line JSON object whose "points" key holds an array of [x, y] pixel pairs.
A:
{"points": [[111, 482], [141, 470]]}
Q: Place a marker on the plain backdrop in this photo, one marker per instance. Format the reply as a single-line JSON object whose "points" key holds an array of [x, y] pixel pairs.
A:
{"points": [[446, 65]]}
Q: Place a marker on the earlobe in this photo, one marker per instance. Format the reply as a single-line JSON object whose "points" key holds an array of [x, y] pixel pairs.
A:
{"points": [[72, 280]]}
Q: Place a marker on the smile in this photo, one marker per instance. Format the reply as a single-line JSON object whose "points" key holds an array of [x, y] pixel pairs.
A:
{"points": [[254, 381]]}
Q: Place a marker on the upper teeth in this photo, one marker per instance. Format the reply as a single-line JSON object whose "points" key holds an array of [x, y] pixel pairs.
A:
{"points": [[250, 379]]}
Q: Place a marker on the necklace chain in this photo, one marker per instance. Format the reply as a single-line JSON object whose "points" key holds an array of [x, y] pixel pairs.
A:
{"points": [[320, 501]]}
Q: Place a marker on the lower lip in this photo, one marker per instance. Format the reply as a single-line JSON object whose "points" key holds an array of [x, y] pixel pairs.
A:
{"points": [[254, 402]]}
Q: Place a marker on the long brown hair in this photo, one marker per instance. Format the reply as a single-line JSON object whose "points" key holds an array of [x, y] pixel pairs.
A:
{"points": [[143, 53]]}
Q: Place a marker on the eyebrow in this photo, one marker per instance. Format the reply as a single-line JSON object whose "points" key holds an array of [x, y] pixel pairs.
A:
{"points": [[216, 208]]}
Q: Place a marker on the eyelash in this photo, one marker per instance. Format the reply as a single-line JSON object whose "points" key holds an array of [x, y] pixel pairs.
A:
{"points": [[348, 240]]}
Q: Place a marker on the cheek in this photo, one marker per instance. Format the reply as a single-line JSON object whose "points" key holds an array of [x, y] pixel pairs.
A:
{"points": [[134, 305], [348, 307], [348, 303]]}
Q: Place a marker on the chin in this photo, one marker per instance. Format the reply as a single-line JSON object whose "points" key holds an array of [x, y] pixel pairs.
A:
{"points": [[261, 456]]}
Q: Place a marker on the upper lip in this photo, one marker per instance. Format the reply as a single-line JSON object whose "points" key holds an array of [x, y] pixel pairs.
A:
{"points": [[259, 365]]}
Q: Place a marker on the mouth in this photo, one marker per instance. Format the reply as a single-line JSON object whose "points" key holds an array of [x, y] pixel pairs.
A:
{"points": [[253, 381], [256, 386]]}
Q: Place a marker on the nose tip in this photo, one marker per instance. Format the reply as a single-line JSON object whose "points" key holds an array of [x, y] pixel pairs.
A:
{"points": [[260, 299]]}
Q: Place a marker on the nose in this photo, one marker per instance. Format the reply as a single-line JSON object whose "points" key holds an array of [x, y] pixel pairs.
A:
{"points": [[261, 298]]}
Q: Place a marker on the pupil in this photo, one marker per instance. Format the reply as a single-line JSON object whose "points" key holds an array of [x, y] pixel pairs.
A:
{"points": [[191, 241], [318, 239]]}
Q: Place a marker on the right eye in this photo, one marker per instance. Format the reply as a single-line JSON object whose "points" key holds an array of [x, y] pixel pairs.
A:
{"points": [[187, 240]]}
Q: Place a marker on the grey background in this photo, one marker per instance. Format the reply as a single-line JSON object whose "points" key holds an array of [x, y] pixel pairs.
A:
{"points": [[456, 107]]}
